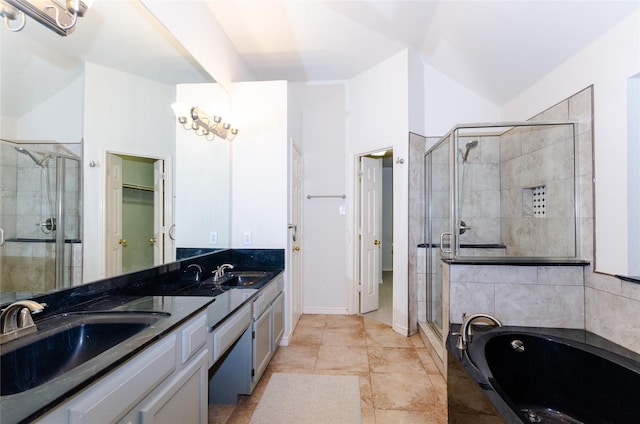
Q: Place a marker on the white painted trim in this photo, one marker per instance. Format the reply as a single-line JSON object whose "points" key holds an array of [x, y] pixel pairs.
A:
{"points": [[312, 310]]}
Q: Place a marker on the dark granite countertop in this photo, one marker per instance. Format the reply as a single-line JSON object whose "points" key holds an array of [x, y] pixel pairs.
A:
{"points": [[32, 403], [166, 289]]}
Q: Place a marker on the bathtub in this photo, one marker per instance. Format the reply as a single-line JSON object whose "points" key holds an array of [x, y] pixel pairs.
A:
{"points": [[540, 375]]}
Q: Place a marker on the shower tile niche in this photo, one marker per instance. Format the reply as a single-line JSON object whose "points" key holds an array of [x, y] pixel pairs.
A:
{"points": [[534, 202]]}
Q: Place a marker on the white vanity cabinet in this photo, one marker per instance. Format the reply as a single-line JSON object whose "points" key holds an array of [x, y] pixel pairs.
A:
{"points": [[165, 383], [268, 326]]}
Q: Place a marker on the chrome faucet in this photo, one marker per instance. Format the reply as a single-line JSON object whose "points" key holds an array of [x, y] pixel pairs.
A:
{"points": [[16, 321], [218, 274], [198, 271], [464, 336]]}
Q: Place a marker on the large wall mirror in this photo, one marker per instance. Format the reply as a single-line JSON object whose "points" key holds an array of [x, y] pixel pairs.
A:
{"points": [[73, 105]]}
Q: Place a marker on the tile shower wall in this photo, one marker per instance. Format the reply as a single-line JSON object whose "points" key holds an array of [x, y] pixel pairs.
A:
{"points": [[28, 266], [417, 277], [480, 193], [537, 188]]}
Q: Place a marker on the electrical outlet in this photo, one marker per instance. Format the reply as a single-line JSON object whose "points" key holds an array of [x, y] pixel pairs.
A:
{"points": [[247, 237], [213, 237]]}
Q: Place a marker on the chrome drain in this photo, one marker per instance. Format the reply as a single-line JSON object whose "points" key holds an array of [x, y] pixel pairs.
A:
{"points": [[518, 346]]}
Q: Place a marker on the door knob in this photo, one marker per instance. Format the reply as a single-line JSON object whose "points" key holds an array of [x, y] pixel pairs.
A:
{"points": [[377, 242], [122, 242], [296, 248], [152, 240]]}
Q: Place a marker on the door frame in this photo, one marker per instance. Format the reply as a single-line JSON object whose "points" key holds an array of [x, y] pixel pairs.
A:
{"points": [[169, 245], [355, 292]]}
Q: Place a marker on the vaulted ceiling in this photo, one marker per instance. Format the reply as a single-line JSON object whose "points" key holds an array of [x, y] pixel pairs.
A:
{"points": [[494, 48]]}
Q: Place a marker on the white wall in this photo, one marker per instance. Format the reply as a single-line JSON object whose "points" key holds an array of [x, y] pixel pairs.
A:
{"points": [[202, 173], [377, 118], [633, 179], [58, 118], [448, 103], [259, 167], [127, 114], [325, 239], [607, 63]]}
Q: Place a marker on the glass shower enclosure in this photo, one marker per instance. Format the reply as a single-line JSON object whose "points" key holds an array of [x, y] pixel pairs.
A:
{"points": [[499, 191], [40, 222]]}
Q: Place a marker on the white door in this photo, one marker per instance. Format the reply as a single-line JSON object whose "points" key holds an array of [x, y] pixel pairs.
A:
{"points": [[295, 232], [370, 232], [158, 213], [113, 218]]}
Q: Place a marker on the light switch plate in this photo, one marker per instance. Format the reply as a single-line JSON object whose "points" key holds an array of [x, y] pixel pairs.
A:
{"points": [[213, 237], [247, 237]]}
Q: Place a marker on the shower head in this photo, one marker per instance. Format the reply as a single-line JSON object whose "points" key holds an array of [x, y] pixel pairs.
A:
{"points": [[37, 161], [470, 145]]}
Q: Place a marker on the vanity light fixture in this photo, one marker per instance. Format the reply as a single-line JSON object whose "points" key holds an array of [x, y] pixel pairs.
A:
{"points": [[195, 119], [59, 16]]}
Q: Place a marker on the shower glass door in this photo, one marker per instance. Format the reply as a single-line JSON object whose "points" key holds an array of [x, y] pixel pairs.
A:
{"points": [[437, 227], [40, 247]]}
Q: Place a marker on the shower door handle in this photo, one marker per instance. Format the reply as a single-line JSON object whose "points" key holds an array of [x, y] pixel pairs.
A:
{"points": [[442, 236]]}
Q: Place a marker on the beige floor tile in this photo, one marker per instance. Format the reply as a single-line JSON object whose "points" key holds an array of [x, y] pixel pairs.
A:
{"points": [[220, 413], [308, 320], [342, 321], [395, 360], [427, 361], [295, 357], [344, 336], [307, 336], [411, 392], [345, 358], [399, 382], [390, 416], [385, 336], [417, 341]]}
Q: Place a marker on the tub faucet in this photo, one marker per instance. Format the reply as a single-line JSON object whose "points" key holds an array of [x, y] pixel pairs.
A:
{"points": [[16, 321], [218, 274], [464, 336]]}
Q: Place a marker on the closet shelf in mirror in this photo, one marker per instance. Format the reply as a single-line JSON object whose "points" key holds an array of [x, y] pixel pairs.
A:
{"points": [[137, 187]]}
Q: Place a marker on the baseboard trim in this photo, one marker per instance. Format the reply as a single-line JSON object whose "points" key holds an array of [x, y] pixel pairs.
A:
{"points": [[312, 310]]}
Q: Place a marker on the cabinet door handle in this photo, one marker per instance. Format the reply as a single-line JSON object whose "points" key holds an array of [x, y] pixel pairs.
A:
{"points": [[296, 248], [152, 240], [122, 242], [377, 242]]}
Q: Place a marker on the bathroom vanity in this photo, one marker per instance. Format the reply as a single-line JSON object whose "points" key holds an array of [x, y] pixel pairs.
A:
{"points": [[168, 370]]}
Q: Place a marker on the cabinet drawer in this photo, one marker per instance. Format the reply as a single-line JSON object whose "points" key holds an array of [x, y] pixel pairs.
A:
{"points": [[259, 305], [194, 336], [182, 399], [225, 335], [116, 394]]}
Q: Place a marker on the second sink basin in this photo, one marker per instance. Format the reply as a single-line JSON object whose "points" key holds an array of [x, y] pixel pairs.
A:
{"points": [[244, 279], [65, 342]]}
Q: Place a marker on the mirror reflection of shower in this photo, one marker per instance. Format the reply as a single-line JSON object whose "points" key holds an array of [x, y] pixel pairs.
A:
{"points": [[47, 222], [464, 156]]}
